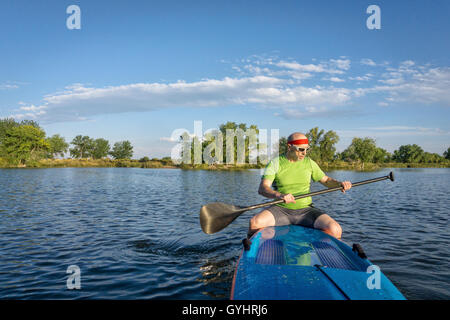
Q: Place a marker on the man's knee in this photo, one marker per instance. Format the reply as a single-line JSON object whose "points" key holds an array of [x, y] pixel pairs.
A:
{"points": [[334, 229], [256, 222], [261, 220]]}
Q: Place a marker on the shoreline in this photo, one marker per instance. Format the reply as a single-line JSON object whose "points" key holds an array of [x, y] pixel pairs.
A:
{"points": [[168, 164]]}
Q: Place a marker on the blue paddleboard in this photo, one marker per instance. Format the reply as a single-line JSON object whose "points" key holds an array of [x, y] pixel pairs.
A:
{"points": [[298, 263]]}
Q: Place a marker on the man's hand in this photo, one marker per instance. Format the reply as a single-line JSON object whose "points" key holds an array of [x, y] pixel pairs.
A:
{"points": [[346, 185], [288, 198]]}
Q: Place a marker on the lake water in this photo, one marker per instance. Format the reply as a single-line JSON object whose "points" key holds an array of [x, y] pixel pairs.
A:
{"points": [[135, 233]]}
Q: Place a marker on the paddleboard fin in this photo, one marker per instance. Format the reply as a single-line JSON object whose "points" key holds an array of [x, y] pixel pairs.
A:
{"points": [[359, 250]]}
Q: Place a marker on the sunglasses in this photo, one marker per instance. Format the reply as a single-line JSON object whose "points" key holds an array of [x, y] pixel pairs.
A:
{"points": [[299, 149]]}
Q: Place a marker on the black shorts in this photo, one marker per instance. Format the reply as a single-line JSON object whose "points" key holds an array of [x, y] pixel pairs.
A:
{"points": [[303, 217]]}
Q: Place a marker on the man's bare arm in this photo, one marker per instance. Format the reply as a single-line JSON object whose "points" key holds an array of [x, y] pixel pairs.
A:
{"points": [[265, 189], [330, 182], [333, 183]]}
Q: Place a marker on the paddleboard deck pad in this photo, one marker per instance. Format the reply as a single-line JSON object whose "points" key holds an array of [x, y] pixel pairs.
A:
{"points": [[297, 263]]}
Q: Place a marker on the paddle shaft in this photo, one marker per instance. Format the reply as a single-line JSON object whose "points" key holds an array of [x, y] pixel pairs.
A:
{"points": [[360, 183]]}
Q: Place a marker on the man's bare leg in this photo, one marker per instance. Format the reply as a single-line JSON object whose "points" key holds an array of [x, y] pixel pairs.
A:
{"points": [[261, 220], [328, 225]]}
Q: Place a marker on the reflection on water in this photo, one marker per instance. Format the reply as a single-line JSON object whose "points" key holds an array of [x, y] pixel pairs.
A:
{"points": [[217, 275], [135, 233]]}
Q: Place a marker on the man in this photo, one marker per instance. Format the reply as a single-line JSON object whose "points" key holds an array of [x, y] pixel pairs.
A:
{"points": [[291, 173]]}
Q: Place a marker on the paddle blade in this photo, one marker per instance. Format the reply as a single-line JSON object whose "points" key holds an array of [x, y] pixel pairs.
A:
{"points": [[391, 176], [216, 216]]}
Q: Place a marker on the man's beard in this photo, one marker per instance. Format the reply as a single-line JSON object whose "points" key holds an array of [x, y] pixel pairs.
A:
{"points": [[292, 155]]}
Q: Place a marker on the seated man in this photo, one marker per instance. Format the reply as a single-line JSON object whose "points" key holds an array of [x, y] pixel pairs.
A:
{"points": [[292, 174]]}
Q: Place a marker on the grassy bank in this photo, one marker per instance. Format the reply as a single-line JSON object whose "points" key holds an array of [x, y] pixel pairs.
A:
{"points": [[90, 163], [357, 166], [326, 166], [219, 167], [165, 163]]}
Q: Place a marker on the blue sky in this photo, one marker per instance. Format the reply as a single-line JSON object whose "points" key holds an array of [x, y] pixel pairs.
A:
{"points": [[138, 70]]}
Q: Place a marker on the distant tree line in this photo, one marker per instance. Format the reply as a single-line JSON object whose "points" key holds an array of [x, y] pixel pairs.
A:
{"points": [[322, 148], [86, 147], [365, 150], [216, 145], [24, 141]]}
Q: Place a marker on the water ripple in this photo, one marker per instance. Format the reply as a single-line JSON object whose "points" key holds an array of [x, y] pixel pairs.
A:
{"points": [[135, 233]]}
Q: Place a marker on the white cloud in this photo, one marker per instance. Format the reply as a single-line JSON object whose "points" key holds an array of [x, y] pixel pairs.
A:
{"points": [[410, 83], [85, 102], [334, 79], [301, 67], [262, 82], [176, 136], [168, 139], [392, 131], [366, 77], [32, 115], [7, 86], [333, 66], [343, 64], [33, 108], [368, 62], [422, 86], [393, 81], [407, 63]]}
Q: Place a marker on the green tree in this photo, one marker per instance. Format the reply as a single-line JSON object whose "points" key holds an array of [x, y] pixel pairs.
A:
{"points": [[365, 149], [432, 158], [5, 125], [187, 149], [30, 123], [282, 145], [122, 150], [100, 148], [361, 150], [381, 156], [58, 146], [8, 123], [230, 148], [166, 161], [24, 142], [349, 154], [239, 140], [241, 132], [447, 154], [83, 146], [408, 154], [326, 147], [322, 144], [252, 143], [314, 137], [212, 147]]}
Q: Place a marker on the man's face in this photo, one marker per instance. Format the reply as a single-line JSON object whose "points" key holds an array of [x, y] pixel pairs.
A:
{"points": [[298, 151]]}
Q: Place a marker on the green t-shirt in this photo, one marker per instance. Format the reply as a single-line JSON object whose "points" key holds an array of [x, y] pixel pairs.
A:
{"points": [[293, 177]]}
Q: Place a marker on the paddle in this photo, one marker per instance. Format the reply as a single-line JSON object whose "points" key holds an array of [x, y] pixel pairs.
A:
{"points": [[216, 216]]}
